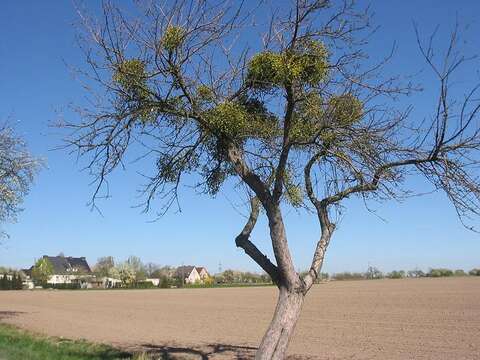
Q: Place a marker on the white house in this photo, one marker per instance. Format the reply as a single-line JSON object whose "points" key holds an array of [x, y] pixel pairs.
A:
{"points": [[103, 283], [27, 279], [192, 274], [154, 281], [28, 284], [203, 273], [67, 270]]}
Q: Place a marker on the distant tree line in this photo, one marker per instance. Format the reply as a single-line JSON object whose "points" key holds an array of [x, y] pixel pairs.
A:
{"points": [[240, 277], [135, 274], [373, 273], [132, 272]]}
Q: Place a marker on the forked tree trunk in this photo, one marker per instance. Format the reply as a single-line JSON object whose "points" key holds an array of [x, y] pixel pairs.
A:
{"points": [[275, 341]]}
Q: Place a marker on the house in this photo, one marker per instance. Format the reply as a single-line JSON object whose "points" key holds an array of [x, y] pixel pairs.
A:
{"points": [[203, 273], [27, 278], [191, 274], [27, 272], [68, 270], [154, 281], [103, 283]]}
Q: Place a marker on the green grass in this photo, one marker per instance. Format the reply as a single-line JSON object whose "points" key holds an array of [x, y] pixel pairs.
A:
{"points": [[16, 344]]}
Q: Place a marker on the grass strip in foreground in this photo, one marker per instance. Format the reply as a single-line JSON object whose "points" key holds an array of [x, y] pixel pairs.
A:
{"points": [[16, 344]]}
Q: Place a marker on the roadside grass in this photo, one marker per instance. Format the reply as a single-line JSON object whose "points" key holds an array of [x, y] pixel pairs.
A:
{"points": [[16, 344]]}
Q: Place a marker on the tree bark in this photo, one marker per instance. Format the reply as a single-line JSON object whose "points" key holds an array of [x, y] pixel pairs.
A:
{"points": [[275, 341]]}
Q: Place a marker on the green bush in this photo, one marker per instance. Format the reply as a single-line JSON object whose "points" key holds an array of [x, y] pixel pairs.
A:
{"points": [[5, 284], [416, 273], [13, 283], [440, 272], [200, 285], [230, 277], [474, 272], [166, 283], [143, 285], [348, 276], [396, 274], [71, 286]]}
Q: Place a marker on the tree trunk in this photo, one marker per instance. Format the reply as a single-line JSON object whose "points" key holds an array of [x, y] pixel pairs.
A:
{"points": [[275, 341]]}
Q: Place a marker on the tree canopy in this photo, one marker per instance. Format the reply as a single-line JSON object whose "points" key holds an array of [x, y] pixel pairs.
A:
{"points": [[42, 270], [17, 170], [298, 115]]}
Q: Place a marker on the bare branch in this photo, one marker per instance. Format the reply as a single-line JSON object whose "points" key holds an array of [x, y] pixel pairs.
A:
{"points": [[242, 241]]}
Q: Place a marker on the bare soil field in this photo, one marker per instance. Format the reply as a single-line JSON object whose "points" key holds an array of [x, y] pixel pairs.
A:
{"points": [[382, 319]]}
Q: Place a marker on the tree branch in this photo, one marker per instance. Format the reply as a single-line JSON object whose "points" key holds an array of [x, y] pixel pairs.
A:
{"points": [[242, 241], [326, 226], [373, 184]]}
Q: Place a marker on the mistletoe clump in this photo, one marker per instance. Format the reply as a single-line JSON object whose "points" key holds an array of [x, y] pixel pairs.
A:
{"points": [[346, 109], [228, 118], [134, 95], [240, 119], [309, 118], [173, 38], [307, 65], [205, 93], [293, 191], [131, 76], [315, 117], [264, 70]]}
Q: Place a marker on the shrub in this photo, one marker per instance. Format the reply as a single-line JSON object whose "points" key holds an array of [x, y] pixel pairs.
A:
{"points": [[459, 272], [416, 273], [209, 281], [373, 273], [474, 272], [4, 283], [240, 277], [11, 282], [348, 276], [396, 274], [17, 283], [71, 286], [166, 282], [199, 284], [440, 273], [143, 285]]}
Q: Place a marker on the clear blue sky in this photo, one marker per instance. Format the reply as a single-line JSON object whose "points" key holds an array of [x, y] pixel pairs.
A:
{"points": [[37, 38]]}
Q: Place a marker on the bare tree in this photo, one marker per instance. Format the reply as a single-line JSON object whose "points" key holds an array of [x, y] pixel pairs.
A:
{"points": [[17, 170], [301, 119], [104, 266]]}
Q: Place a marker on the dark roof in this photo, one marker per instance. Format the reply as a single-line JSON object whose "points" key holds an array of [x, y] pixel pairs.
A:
{"points": [[200, 268], [27, 272], [67, 265], [184, 270]]}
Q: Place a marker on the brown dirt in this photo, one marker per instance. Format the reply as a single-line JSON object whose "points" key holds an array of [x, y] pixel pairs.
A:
{"points": [[383, 319]]}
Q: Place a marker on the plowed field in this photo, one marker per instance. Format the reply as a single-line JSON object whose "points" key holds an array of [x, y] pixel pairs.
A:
{"points": [[381, 319]]}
